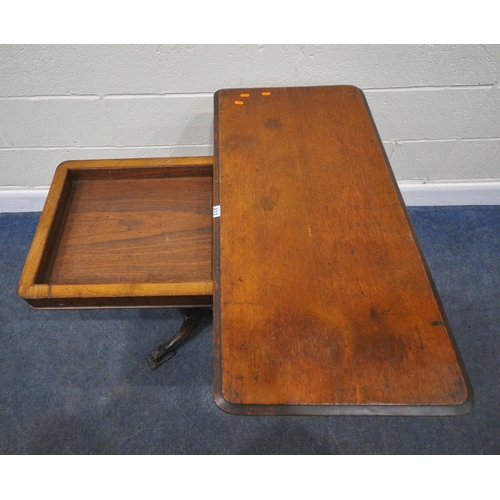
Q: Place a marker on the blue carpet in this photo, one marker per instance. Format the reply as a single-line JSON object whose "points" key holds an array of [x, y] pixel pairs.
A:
{"points": [[76, 382]]}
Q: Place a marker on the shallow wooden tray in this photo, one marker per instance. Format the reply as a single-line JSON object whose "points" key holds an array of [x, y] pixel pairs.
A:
{"points": [[124, 233]]}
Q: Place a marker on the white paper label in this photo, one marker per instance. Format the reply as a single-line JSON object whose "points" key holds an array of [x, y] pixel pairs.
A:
{"points": [[216, 211]]}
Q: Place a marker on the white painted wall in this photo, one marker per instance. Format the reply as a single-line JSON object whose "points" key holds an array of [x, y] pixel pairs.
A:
{"points": [[437, 107]]}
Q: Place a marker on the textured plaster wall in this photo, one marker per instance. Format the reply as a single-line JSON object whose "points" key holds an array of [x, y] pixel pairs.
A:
{"points": [[437, 107]]}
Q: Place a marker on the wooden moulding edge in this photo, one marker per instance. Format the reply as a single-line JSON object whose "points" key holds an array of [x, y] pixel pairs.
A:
{"points": [[216, 333], [169, 161], [342, 410], [38, 246], [115, 290]]}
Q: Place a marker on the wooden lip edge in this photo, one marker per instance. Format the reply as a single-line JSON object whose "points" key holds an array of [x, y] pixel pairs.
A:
{"points": [[124, 163], [240, 409], [342, 410], [216, 333], [49, 211], [115, 290], [271, 88], [37, 248]]}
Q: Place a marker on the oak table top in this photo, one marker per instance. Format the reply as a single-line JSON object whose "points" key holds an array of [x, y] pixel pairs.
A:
{"points": [[323, 303]]}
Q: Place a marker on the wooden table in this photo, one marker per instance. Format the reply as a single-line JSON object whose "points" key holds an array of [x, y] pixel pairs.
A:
{"points": [[323, 303]]}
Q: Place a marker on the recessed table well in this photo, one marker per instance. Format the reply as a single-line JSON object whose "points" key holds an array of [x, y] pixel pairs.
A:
{"points": [[124, 233]]}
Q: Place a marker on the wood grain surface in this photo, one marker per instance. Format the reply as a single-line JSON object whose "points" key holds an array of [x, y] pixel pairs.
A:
{"points": [[124, 233], [323, 303]]}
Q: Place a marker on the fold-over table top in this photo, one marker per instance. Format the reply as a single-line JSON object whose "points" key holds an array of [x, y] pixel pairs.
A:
{"points": [[323, 303]]}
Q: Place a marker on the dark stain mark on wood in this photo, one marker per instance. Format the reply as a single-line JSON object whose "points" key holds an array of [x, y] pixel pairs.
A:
{"points": [[272, 123], [267, 203]]}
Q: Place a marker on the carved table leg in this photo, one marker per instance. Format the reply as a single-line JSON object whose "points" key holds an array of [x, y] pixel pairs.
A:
{"points": [[192, 318]]}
